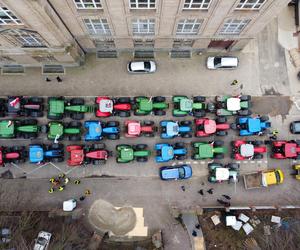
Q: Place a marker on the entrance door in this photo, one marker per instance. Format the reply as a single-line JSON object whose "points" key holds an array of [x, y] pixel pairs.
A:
{"points": [[220, 44]]}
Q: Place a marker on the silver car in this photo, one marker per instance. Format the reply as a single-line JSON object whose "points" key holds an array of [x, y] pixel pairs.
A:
{"points": [[141, 67]]}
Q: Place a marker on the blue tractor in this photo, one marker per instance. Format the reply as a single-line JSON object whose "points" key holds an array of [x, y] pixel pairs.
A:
{"points": [[171, 129], [97, 130], [45, 153], [166, 152], [252, 126]]}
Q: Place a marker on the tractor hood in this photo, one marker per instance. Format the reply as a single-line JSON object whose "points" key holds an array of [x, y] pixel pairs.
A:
{"points": [[36, 154]]}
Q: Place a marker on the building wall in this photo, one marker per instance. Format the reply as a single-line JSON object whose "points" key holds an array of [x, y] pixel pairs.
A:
{"points": [[61, 25]]}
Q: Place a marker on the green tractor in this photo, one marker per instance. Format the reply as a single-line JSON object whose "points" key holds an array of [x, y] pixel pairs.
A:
{"points": [[58, 107], [208, 150], [128, 153], [58, 130], [145, 105], [28, 129], [185, 106]]}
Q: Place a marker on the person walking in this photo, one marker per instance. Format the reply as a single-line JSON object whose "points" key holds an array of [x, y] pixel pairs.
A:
{"points": [[77, 182], [66, 180], [234, 83], [51, 190], [47, 79], [58, 79], [87, 192], [61, 188]]}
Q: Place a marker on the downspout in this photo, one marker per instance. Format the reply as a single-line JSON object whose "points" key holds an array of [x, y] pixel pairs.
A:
{"points": [[67, 28], [297, 13]]}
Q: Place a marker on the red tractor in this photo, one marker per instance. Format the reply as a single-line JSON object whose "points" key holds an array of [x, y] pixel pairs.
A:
{"points": [[286, 149], [248, 150], [113, 106], [80, 155], [208, 127], [15, 154], [136, 128]]}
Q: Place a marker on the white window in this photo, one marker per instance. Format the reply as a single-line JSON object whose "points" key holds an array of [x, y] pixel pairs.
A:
{"points": [[7, 17], [88, 4], [188, 26], [24, 38], [250, 4], [143, 26], [196, 4], [142, 4], [97, 26], [233, 26]]}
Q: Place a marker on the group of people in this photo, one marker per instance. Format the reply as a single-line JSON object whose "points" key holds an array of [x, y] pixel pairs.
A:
{"points": [[59, 183]]}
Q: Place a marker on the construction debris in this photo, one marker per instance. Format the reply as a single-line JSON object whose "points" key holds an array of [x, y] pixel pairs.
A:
{"points": [[247, 228], [237, 226], [215, 219], [230, 220], [267, 230], [242, 217], [275, 219]]}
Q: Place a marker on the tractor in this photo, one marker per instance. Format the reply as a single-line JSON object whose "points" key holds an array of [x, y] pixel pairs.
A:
{"points": [[95, 154], [166, 152], [41, 153], [58, 107], [184, 106], [296, 173], [58, 130], [145, 105], [15, 154], [136, 128], [113, 106], [286, 149], [219, 173], [128, 153], [248, 150], [25, 106], [28, 129], [232, 105], [209, 127], [248, 126], [208, 150], [97, 130], [172, 129]]}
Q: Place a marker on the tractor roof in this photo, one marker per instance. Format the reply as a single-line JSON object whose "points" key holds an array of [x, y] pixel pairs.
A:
{"points": [[134, 128], [247, 150], [95, 129], [146, 105], [106, 105], [56, 106], [77, 155], [206, 150], [36, 154], [56, 128], [126, 154], [233, 104], [167, 152], [254, 125], [7, 127], [172, 128], [210, 126], [186, 104], [222, 174]]}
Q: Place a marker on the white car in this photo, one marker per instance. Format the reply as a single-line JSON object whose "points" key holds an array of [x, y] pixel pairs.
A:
{"points": [[42, 241], [141, 67], [222, 62]]}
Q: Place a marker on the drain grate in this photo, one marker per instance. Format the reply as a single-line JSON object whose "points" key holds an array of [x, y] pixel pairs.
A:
{"points": [[12, 69], [52, 69]]}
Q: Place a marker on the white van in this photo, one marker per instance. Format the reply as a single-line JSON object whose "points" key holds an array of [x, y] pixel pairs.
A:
{"points": [[222, 62]]}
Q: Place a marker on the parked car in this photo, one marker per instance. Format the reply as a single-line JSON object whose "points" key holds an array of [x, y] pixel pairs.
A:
{"points": [[141, 67], [42, 241], [175, 172], [295, 127], [222, 62]]}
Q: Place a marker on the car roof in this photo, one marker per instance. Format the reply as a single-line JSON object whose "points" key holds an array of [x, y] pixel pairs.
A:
{"points": [[137, 66], [229, 61]]}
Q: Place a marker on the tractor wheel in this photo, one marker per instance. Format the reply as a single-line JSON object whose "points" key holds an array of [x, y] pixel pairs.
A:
{"points": [[124, 100], [98, 162], [233, 126], [221, 119], [77, 101], [77, 116], [17, 161], [17, 148], [74, 124], [122, 113], [55, 117], [181, 157], [139, 97], [264, 118], [199, 99], [99, 146], [219, 156], [258, 143], [258, 156], [186, 135], [142, 159], [199, 113], [244, 112], [179, 145], [56, 146], [74, 137], [218, 143], [141, 146], [221, 133], [148, 134], [234, 166], [245, 98], [36, 100], [30, 135], [112, 124], [44, 129], [36, 114], [57, 159], [186, 123], [159, 99], [113, 136], [29, 122], [159, 112], [148, 123]]}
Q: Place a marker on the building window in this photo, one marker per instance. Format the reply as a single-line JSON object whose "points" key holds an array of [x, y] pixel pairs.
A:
{"points": [[88, 4], [250, 4], [143, 26], [142, 4], [196, 4], [97, 26], [188, 26], [7, 17], [105, 44], [140, 43], [24, 38], [233, 27], [183, 43]]}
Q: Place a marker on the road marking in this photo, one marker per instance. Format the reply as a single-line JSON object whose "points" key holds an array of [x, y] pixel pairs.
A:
{"points": [[195, 162], [266, 162], [32, 171], [252, 162], [202, 162], [188, 162], [14, 165], [181, 162], [259, 162], [56, 167]]}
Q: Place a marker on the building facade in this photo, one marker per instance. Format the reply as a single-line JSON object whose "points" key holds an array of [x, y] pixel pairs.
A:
{"points": [[49, 32]]}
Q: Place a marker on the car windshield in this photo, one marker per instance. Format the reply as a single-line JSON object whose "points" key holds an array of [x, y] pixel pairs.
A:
{"points": [[277, 175], [181, 172], [217, 61], [42, 241], [147, 65], [129, 66], [297, 126]]}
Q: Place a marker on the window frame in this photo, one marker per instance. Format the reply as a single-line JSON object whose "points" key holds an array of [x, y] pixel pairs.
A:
{"points": [[197, 21], [136, 3], [82, 2], [253, 5], [198, 8], [230, 22], [13, 19], [138, 23], [102, 23]]}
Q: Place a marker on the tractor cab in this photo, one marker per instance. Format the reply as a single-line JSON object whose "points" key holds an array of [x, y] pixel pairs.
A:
{"points": [[106, 105], [134, 128], [206, 150], [167, 153], [77, 155], [233, 104], [146, 105], [127, 154], [56, 129], [13, 105], [172, 129], [210, 126], [247, 150], [222, 174], [7, 129], [36, 154], [94, 129], [254, 125], [56, 106], [186, 104]]}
